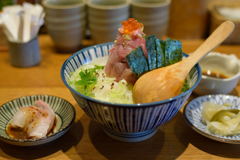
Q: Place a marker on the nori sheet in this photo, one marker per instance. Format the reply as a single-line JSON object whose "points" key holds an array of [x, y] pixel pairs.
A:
{"points": [[152, 53], [160, 54], [137, 61], [173, 51]]}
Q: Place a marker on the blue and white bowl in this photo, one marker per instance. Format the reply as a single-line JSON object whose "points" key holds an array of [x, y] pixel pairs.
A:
{"points": [[65, 116], [193, 115], [125, 122]]}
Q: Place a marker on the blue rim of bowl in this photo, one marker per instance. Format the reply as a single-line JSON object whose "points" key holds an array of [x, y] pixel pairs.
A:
{"points": [[220, 139], [47, 137], [121, 104]]}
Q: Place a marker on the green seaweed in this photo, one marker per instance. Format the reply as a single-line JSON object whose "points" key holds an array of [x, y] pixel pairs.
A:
{"points": [[173, 51], [137, 61], [152, 53], [160, 54]]}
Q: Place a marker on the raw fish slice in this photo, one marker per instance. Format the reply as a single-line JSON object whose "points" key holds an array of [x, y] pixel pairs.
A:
{"points": [[114, 58], [129, 76], [130, 37], [117, 70]]}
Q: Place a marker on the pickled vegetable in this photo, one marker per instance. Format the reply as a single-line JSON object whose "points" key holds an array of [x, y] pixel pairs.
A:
{"points": [[209, 110], [220, 119]]}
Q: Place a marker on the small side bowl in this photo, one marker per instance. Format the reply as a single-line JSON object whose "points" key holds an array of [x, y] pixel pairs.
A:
{"points": [[125, 122], [193, 116], [227, 63], [65, 115]]}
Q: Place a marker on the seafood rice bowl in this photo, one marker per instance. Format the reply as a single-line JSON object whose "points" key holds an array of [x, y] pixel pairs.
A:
{"points": [[101, 79]]}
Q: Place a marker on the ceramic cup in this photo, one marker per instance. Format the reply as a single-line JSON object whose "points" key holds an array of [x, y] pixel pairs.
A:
{"points": [[105, 17], [65, 22], [154, 14], [24, 54]]}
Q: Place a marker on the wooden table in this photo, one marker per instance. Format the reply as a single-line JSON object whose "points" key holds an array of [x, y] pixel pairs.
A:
{"points": [[85, 140]]}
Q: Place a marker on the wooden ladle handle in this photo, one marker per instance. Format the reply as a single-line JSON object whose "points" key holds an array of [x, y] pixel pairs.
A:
{"points": [[217, 37]]}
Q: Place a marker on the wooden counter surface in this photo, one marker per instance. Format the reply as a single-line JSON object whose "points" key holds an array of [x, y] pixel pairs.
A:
{"points": [[86, 140]]}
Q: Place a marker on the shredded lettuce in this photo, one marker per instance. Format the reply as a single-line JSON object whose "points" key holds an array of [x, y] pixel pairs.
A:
{"points": [[91, 80]]}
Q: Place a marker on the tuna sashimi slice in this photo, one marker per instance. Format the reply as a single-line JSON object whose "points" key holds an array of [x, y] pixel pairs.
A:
{"points": [[130, 37]]}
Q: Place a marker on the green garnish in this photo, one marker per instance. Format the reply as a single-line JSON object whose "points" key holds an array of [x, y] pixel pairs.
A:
{"points": [[88, 79], [185, 86]]}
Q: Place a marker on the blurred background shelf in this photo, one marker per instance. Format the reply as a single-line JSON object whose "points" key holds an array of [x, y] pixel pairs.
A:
{"points": [[187, 19]]}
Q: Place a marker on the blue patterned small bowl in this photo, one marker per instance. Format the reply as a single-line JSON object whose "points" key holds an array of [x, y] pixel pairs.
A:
{"points": [[193, 115], [65, 116], [125, 122]]}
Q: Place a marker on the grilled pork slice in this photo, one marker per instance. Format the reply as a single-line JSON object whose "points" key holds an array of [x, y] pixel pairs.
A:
{"points": [[35, 120]]}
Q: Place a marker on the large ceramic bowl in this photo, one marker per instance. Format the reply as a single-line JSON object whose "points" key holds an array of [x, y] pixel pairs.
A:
{"points": [[126, 122]]}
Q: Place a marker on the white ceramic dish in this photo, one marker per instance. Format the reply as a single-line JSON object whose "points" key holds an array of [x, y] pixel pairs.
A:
{"points": [[228, 64], [193, 112]]}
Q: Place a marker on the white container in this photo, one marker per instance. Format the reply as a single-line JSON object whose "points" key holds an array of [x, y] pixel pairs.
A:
{"points": [[105, 17], [66, 23], [226, 64]]}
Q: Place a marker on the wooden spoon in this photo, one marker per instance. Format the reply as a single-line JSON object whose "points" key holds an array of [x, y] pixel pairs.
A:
{"points": [[167, 82]]}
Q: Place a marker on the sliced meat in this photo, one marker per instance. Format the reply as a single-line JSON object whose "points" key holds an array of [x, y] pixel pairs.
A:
{"points": [[118, 69], [112, 59], [130, 37], [36, 120], [129, 76], [44, 123]]}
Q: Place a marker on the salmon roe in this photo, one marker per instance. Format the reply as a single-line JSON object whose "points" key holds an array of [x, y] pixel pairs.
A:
{"points": [[131, 25]]}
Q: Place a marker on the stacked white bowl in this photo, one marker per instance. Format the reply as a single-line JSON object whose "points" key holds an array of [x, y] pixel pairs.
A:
{"points": [[65, 22], [105, 17], [154, 14]]}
